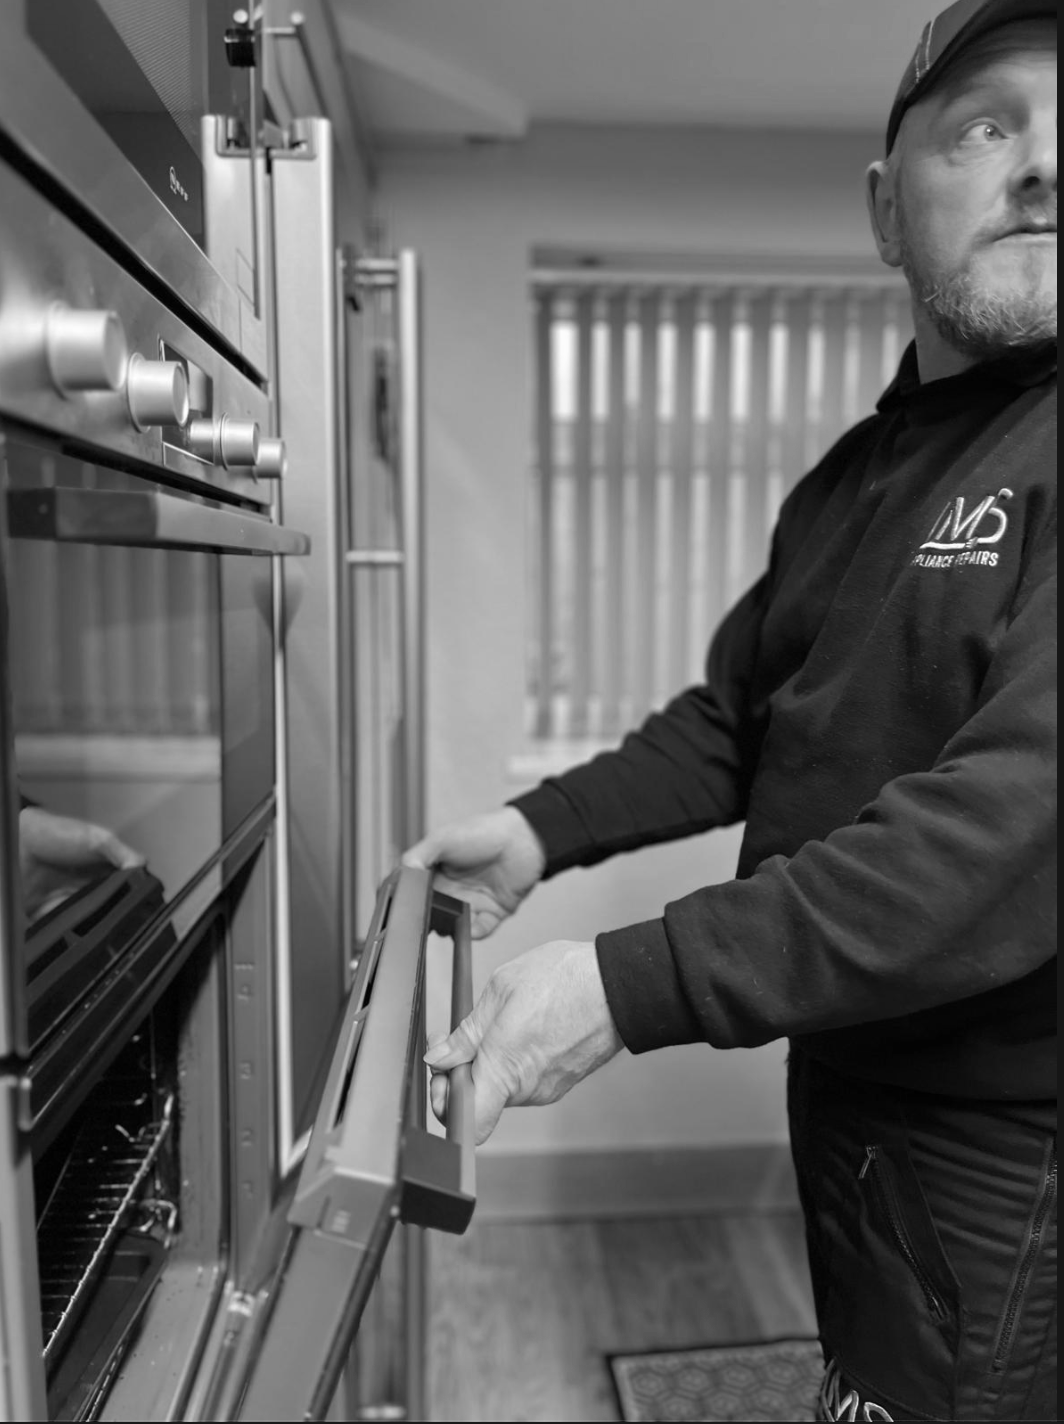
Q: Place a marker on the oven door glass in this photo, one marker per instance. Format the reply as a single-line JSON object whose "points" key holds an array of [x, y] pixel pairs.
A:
{"points": [[142, 695]]}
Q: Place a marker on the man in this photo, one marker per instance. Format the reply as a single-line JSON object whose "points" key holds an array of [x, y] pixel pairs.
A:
{"points": [[880, 709]]}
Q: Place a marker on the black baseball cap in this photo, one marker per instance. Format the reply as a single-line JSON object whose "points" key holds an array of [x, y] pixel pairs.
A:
{"points": [[946, 35]]}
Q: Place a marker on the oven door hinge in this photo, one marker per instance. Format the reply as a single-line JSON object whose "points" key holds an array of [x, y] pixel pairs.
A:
{"points": [[225, 1385]]}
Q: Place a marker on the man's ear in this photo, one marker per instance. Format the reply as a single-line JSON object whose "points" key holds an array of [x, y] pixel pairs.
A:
{"points": [[881, 194]]}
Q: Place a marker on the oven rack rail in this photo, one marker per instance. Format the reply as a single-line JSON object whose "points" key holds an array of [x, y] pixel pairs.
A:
{"points": [[91, 1205]]}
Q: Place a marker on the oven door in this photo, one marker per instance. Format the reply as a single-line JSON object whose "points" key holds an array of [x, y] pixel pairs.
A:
{"points": [[372, 1162], [140, 667], [111, 104]]}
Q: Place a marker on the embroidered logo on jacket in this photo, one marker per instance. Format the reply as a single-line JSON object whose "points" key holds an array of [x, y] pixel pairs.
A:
{"points": [[960, 536]]}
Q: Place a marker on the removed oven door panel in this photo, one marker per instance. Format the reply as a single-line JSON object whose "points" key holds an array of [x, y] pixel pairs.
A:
{"points": [[371, 1163]]}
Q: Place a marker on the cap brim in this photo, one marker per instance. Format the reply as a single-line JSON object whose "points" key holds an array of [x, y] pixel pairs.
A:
{"points": [[989, 17]]}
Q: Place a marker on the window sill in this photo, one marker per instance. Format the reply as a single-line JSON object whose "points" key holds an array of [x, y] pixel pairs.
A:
{"points": [[551, 758]]}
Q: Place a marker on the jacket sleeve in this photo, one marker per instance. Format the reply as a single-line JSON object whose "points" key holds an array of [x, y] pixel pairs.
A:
{"points": [[687, 769], [942, 888]]}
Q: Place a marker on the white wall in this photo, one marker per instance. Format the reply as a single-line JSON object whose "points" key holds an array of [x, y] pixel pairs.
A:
{"points": [[474, 215]]}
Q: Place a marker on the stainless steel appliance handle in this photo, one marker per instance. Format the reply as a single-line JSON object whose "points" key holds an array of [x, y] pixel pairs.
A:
{"points": [[402, 275], [455, 917], [363, 1155], [411, 452], [143, 519]]}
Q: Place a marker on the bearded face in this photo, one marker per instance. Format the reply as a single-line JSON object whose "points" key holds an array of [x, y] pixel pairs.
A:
{"points": [[967, 202], [995, 300]]}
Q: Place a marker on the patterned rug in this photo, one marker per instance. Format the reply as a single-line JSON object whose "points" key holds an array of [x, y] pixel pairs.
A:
{"points": [[773, 1379]]}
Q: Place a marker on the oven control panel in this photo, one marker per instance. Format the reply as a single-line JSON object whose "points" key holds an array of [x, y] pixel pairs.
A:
{"points": [[87, 351], [89, 354]]}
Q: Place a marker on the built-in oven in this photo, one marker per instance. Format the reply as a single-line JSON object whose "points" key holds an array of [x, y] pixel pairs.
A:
{"points": [[138, 583], [212, 1094], [130, 112]]}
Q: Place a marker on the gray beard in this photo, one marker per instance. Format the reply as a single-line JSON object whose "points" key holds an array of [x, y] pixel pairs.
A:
{"points": [[983, 325]]}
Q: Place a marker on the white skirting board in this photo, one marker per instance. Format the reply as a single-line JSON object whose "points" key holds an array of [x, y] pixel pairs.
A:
{"points": [[544, 1186]]}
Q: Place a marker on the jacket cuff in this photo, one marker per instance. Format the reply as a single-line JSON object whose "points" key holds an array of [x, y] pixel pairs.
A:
{"points": [[643, 990], [554, 819]]}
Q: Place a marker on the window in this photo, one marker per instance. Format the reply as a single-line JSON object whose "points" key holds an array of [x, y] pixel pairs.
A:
{"points": [[671, 418]]}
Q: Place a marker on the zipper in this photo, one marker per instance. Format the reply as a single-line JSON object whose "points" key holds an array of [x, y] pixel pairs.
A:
{"points": [[1019, 1289], [872, 1169]]}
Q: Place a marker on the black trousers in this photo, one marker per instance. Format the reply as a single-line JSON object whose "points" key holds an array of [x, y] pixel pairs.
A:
{"points": [[932, 1232]]}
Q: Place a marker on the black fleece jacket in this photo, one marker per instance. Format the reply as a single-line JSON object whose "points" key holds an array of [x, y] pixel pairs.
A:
{"points": [[881, 710]]}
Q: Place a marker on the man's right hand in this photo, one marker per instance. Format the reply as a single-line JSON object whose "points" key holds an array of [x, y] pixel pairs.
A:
{"points": [[491, 861]]}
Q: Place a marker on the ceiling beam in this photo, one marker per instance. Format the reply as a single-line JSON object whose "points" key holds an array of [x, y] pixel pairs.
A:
{"points": [[491, 112]]}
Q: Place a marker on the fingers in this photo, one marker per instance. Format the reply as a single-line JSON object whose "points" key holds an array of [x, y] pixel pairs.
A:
{"points": [[466, 1044], [118, 853], [425, 854], [460, 1046], [484, 922], [490, 1096], [438, 1093]]}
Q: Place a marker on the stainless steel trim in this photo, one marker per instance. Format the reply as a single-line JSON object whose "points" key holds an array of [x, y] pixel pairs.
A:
{"points": [[317, 1300], [252, 1088], [350, 1172], [145, 520], [235, 184], [313, 617], [415, 1323], [346, 710], [322, 53], [22, 1386], [52, 127], [411, 458], [13, 1028]]}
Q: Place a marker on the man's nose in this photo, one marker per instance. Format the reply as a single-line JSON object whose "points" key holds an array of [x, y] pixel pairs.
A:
{"points": [[1036, 174]]}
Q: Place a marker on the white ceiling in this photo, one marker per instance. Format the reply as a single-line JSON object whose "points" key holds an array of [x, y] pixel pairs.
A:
{"points": [[452, 68]]}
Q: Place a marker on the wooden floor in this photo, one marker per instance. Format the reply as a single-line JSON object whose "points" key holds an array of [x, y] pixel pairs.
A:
{"points": [[522, 1315]]}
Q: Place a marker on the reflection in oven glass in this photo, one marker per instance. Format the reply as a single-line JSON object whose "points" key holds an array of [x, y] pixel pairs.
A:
{"points": [[116, 694]]}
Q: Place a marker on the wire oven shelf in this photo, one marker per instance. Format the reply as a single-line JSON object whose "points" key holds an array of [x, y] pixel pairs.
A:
{"points": [[109, 1163]]}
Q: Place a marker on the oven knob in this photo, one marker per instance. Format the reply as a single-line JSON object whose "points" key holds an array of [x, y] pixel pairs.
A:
{"points": [[224, 442], [239, 442], [273, 462], [157, 392], [85, 350]]}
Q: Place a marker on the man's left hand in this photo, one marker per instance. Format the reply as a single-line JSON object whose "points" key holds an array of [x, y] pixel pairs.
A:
{"points": [[59, 853], [540, 1026]]}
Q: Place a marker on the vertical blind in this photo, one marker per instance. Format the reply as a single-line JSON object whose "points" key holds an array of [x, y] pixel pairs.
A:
{"points": [[111, 640], [670, 422]]}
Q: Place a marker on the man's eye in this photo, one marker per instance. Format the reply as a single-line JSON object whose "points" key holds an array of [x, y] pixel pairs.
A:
{"points": [[985, 131]]}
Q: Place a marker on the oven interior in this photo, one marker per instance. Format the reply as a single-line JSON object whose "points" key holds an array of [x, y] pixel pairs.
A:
{"points": [[122, 1189]]}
